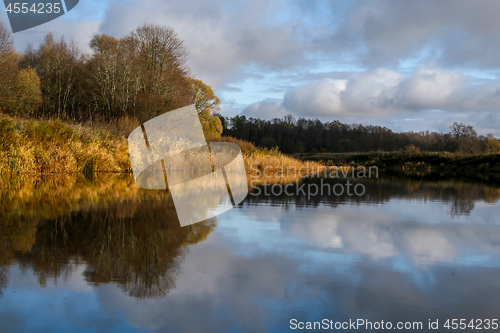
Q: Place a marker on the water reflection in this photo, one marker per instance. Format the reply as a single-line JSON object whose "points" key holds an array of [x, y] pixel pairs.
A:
{"points": [[461, 196], [3, 279], [371, 232], [123, 235], [405, 251]]}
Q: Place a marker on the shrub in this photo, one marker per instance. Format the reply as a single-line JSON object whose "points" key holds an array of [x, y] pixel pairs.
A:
{"points": [[8, 134], [53, 132], [411, 149]]}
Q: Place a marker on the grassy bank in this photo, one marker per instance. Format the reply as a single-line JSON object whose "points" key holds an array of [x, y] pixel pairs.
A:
{"points": [[269, 161], [40, 147], [32, 147], [483, 167]]}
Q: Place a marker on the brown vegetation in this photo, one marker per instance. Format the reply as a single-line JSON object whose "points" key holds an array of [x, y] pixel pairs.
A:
{"points": [[52, 146], [271, 161], [38, 147]]}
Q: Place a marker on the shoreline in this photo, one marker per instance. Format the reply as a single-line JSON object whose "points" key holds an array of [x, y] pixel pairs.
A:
{"points": [[431, 166], [44, 147], [39, 147]]}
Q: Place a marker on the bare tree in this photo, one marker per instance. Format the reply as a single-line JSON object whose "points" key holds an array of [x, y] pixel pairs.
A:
{"points": [[465, 136], [161, 59], [59, 65], [141, 75], [6, 44]]}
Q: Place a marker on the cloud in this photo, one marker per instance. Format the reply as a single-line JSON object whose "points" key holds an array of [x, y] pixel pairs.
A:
{"points": [[372, 92], [431, 89], [221, 37], [225, 38], [382, 92], [265, 109], [322, 96], [452, 33]]}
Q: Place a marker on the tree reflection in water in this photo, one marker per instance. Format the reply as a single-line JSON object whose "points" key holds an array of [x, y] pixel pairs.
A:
{"points": [[134, 240], [3, 280], [460, 196], [125, 235]]}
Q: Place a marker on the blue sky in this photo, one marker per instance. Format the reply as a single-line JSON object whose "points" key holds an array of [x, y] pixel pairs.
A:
{"points": [[407, 65]]}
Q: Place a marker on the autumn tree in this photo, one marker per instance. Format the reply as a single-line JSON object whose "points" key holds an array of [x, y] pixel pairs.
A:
{"points": [[113, 82], [59, 65], [8, 69], [104, 72], [27, 93], [141, 75], [492, 145], [19, 89], [465, 136], [162, 73], [207, 105]]}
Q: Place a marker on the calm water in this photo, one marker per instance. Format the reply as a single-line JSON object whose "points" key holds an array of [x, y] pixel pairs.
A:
{"points": [[103, 256]]}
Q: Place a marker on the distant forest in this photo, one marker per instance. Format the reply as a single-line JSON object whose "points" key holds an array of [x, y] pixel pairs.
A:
{"points": [[302, 135]]}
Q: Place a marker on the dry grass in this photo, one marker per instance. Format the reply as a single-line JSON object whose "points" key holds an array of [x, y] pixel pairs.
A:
{"points": [[272, 162], [39, 147], [245, 146], [48, 146], [121, 127], [269, 162]]}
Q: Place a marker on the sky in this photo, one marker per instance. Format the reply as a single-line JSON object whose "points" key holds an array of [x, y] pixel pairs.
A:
{"points": [[408, 65]]}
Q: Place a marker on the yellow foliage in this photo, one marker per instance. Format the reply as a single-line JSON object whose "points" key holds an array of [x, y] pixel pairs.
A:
{"points": [[28, 93], [207, 104]]}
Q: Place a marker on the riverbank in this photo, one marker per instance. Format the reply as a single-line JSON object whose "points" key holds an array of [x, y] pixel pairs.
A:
{"points": [[429, 166], [31, 147], [36, 147]]}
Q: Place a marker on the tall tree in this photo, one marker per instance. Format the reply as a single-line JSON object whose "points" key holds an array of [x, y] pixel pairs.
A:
{"points": [[465, 136], [113, 82], [59, 65], [27, 92], [161, 59], [8, 69], [207, 105]]}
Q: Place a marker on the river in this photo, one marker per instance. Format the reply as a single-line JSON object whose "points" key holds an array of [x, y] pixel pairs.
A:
{"points": [[101, 255]]}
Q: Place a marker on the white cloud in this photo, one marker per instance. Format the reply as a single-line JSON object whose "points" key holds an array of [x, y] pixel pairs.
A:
{"points": [[371, 93], [320, 97], [267, 109], [432, 89], [383, 92]]}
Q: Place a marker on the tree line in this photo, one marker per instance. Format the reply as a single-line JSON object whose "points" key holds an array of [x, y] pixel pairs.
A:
{"points": [[140, 76], [302, 135]]}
